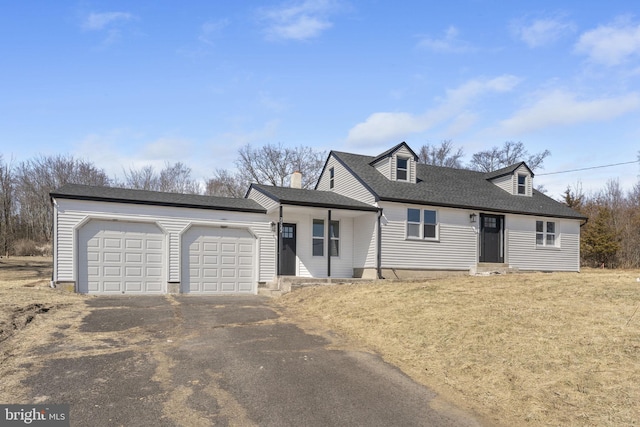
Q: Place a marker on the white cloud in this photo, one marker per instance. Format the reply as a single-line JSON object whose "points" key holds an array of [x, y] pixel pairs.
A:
{"points": [[383, 127], [100, 21], [448, 43], [561, 108], [542, 31], [211, 29], [300, 21], [611, 44]]}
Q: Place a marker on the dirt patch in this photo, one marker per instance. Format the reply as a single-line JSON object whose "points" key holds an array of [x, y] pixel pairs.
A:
{"points": [[536, 349]]}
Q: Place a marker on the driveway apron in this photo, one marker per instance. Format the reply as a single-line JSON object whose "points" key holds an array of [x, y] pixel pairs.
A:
{"points": [[200, 361]]}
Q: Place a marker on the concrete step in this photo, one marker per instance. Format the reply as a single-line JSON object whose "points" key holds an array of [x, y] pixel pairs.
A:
{"points": [[488, 269]]}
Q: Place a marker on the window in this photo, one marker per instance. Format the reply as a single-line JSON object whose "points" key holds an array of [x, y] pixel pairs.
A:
{"points": [[334, 236], [331, 176], [413, 223], [401, 169], [318, 237], [422, 224], [545, 233], [429, 226], [522, 184]]}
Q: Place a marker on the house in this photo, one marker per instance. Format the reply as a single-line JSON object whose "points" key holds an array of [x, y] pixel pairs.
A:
{"points": [[367, 217]]}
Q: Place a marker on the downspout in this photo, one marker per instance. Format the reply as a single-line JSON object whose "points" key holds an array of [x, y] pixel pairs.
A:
{"points": [[379, 246], [329, 243], [54, 243]]}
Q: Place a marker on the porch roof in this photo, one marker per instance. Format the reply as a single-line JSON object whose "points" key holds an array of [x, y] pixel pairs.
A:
{"points": [[312, 198]]}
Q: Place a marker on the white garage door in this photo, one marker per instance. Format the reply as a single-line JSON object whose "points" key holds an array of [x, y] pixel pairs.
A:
{"points": [[218, 261], [118, 257]]}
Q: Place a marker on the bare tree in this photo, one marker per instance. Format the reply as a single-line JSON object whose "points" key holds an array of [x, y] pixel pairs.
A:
{"points": [[274, 164], [7, 208], [509, 154], [441, 155], [173, 178], [226, 184], [36, 178]]}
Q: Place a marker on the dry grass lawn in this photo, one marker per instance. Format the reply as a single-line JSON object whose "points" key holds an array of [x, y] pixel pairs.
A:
{"points": [[528, 349]]}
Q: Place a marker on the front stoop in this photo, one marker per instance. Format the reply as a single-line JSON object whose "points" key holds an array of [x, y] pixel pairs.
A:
{"points": [[489, 269], [287, 284]]}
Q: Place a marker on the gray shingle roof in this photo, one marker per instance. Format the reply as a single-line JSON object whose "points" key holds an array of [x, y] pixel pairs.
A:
{"points": [[460, 188], [124, 195], [312, 198], [506, 171]]}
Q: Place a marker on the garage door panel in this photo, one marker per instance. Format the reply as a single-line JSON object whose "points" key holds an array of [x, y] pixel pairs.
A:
{"points": [[121, 257], [225, 255]]}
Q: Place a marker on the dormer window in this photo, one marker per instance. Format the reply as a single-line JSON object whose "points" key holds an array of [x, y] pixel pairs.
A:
{"points": [[522, 184], [402, 166], [331, 178]]}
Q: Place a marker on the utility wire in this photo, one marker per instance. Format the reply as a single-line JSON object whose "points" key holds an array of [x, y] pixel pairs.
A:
{"points": [[589, 168]]}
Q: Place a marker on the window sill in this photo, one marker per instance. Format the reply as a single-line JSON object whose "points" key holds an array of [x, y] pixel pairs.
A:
{"points": [[547, 248], [418, 239]]}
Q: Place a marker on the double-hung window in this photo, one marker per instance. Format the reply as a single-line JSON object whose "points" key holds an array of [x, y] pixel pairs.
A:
{"points": [[522, 184], [422, 224], [319, 238], [545, 233], [402, 169]]}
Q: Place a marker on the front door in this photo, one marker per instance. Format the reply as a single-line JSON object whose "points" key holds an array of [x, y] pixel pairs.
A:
{"points": [[491, 235], [288, 251]]}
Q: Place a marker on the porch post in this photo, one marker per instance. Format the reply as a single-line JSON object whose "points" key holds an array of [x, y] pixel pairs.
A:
{"points": [[379, 246], [329, 243], [279, 248]]}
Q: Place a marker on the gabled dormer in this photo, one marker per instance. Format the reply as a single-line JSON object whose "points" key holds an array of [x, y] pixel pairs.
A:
{"points": [[397, 164], [515, 179]]}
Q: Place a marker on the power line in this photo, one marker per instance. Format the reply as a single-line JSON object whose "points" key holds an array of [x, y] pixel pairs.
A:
{"points": [[589, 168]]}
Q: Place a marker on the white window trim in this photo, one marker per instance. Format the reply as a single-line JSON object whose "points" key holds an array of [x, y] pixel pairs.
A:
{"points": [[526, 178], [421, 226], [407, 170], [545, 234], [326, 237]]}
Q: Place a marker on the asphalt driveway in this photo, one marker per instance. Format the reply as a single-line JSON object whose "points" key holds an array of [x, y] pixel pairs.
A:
{"points": [[200, 361]]}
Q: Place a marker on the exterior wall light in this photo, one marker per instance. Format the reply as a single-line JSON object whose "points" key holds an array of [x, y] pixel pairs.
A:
{"points": [[472, 218]]}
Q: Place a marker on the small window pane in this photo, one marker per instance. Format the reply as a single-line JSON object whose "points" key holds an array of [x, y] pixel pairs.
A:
{"points": [[551, 227], [334, 247], [318, 228], [318, 247], [413, 215], [429, 217], [551, 239], [539, 239], [334, 230], [402, 164], [539, 226], [413, 230], [522, 179], [429, 231], [490, 222], [402, 175]]}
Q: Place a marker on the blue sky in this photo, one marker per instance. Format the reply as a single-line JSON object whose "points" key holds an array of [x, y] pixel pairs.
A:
{"points": [[126, 84]]}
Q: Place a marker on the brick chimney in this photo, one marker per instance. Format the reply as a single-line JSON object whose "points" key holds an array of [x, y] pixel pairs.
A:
{"points": [[296, 179]]}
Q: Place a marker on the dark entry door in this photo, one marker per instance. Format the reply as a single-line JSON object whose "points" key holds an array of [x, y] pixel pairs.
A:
{"points": [[288, 252], [491, 247]]}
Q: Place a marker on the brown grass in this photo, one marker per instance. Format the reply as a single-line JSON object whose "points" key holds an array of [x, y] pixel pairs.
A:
{"points": [[25, 293], [529, 349]]}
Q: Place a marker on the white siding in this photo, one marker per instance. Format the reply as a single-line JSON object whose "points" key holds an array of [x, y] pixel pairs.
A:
{"points": [[316, 266], [505, 182], [172, 220], [344, 183], [365, 241], [522, 251], [266, 202], [456, 248], [384, 167]]}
